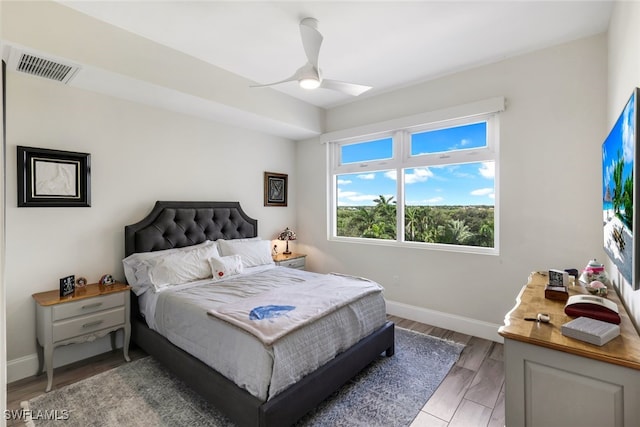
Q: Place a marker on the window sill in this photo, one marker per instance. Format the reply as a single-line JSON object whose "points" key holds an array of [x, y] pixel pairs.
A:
{"points": [[476, 250]]}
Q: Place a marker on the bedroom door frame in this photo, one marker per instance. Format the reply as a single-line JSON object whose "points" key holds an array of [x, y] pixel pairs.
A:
{"points": [[3, 323]]}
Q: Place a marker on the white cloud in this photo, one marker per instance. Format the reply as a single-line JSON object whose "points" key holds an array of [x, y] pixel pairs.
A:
{"points": [[346, 194], [418, 175], [349, 198], [363, 198], [435, 200], [391, 174], [482, 192], [344, 181], [367, 176], [488, 170]]}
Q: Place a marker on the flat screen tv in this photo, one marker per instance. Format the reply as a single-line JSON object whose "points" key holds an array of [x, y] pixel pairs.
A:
{"points": [[620, 192]]}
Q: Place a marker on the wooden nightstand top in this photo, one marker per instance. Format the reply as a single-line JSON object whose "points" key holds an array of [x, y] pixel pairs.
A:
{"points": [[93, 290], [283, 257]]}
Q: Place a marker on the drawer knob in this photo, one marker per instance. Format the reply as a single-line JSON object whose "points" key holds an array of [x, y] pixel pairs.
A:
{"points": [[94, 305], [92, 324]]}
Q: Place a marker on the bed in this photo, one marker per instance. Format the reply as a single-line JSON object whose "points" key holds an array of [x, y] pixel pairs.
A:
{"points": [[172, 225]]}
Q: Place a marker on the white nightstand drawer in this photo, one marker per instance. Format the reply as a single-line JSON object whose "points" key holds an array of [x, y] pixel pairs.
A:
{"points": [[293, 263], [65, 329], [89, 305]]}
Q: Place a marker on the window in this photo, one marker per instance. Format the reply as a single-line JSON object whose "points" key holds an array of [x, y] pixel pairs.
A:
{"points": [[432, 185]]}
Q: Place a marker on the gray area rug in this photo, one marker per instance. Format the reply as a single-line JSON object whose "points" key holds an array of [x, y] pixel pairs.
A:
{"points": [[389, 392]]}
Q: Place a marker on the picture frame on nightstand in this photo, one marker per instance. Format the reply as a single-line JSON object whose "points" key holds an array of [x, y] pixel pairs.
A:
{"points": [[67, 285]]}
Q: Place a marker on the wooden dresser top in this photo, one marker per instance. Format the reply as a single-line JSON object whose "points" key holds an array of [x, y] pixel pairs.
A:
{"points": [[89, 291], [623, 350]]}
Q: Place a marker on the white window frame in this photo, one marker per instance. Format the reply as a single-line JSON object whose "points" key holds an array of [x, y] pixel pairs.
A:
{"points": [[400, 130]]}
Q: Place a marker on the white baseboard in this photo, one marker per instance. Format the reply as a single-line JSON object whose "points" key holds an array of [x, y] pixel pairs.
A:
{"points": [[453, 322], [27, 366]]}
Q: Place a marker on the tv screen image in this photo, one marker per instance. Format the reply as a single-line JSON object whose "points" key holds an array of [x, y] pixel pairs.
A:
{"points": [[619, 157]]}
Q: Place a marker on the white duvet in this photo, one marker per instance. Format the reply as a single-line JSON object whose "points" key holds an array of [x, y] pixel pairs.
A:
{"points": [[180, 314]]}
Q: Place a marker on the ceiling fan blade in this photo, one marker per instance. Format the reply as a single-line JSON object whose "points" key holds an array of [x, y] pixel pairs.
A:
{"points": [[344, 87], [311, 39], [293, 78]]}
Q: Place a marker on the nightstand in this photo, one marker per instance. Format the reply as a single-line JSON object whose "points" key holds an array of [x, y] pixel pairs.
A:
{"points": [[291, 260], [89, 313]]}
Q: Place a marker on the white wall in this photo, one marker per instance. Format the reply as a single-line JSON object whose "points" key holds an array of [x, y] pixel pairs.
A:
{"points": [[624, 75], [139, 154], [549, 207]]}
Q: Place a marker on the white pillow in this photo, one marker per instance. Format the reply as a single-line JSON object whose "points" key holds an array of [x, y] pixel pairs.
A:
{"points": [[253, 252], [137, 266], [226, 266]]}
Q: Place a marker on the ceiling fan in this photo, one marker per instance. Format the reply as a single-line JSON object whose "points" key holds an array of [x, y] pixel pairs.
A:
{"points": [[309, 76]]}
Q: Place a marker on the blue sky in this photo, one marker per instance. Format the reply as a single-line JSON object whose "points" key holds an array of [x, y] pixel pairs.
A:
{"points": [[461, 184]]}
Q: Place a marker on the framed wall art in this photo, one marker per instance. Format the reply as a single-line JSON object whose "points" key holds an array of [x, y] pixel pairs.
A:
{"points": [[53, 178], [621, 192], [275, 189]]}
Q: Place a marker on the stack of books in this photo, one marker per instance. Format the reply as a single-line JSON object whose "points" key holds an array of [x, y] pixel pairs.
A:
{"points": [[591, 330]]}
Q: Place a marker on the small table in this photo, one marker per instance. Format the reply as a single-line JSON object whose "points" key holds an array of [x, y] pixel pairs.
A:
{"points": [[90, 312], [292, 260]]}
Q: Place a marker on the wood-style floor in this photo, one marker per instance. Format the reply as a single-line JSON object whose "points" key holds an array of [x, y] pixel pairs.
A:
{"points": [[471, 395]]}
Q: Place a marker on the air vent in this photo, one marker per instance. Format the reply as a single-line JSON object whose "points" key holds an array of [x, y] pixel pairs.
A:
{"points": [[40, 66]]}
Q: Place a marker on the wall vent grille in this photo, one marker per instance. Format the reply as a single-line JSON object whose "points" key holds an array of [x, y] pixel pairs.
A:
{"points": [[40, 66]]}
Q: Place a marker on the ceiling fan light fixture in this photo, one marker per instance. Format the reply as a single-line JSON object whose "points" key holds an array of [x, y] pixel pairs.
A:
{"points": [[309, 76], [309, 83]]}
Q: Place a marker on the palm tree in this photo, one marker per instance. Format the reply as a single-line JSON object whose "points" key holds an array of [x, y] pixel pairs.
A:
{"points": [[617, 198], [411, 221], [457, 232], [383, 205], [363, 220]]}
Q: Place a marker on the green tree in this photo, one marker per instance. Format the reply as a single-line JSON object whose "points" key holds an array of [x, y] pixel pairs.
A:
{"points": [[412, 222], [627, 202], [617, 185], [457, 232]]}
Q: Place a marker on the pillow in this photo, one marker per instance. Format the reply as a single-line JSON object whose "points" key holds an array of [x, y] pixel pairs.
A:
{"points": [[253, 252], [136, 266], [225, 266]]}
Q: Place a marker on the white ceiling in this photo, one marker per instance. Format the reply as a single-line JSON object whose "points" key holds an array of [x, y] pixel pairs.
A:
{"points": [[386, 45]]}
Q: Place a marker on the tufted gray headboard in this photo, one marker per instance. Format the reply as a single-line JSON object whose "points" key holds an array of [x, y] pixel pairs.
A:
{"points": [[177, 224]]}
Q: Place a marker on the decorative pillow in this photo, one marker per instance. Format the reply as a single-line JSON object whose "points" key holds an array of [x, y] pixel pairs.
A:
{"points": [[253, 252], [225, 266], [137, 266]]}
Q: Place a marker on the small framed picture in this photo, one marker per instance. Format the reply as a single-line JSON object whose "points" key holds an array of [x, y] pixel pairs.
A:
{"points": [[67, 285], [558, 278], [275, 189], [53, 178]]}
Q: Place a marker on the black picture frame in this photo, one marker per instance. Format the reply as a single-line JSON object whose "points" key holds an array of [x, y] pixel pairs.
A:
{"points": [[67, 285], [275, 189], [53, 178]]}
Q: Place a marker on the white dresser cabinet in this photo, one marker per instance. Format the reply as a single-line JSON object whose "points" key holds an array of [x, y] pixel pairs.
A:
{"points": [[554, 380]]}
